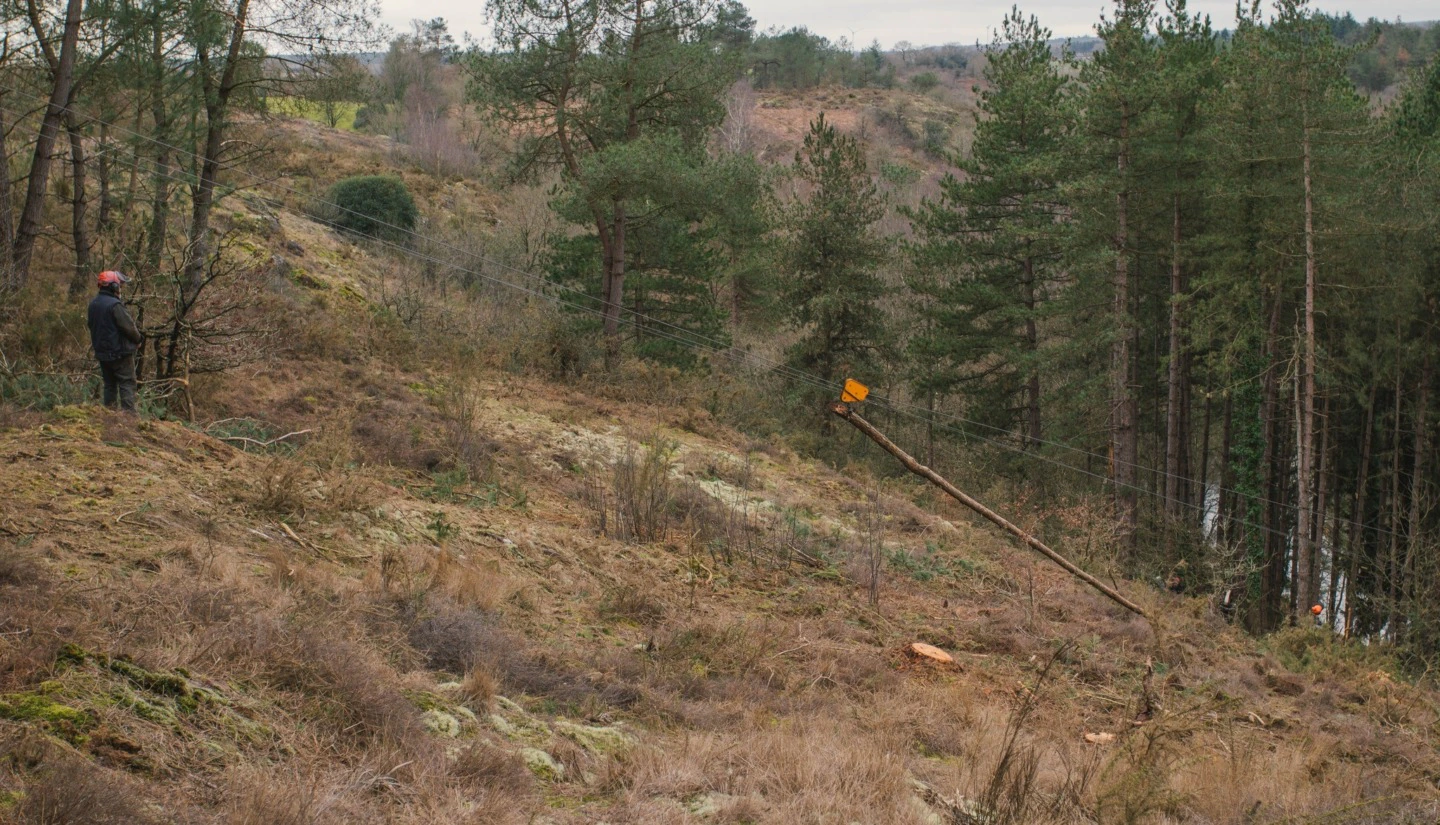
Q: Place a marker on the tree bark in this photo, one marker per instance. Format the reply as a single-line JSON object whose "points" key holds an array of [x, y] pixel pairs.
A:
{"points": [[78, 205], [217, 113], [1306, 583], [1224, 500], [844, 411], [1322, 502], [1392, 578], [32, 215], [1273, 566], [1175, 374], [102, 175], [1337, 538], [1420, 450], [614, 286], [1205, 468], [7, 211], [1032, 348], [1123, 412], [1357, 513]]}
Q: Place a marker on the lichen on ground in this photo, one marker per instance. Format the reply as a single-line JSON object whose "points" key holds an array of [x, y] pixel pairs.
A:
{"points": [[542, 764], [594, 738]]}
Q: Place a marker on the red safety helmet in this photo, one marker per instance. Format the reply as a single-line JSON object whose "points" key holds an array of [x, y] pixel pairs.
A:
{"points": [[112, 277]]}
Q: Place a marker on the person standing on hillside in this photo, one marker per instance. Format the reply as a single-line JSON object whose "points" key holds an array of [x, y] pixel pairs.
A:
{"points": [[114, 337]]}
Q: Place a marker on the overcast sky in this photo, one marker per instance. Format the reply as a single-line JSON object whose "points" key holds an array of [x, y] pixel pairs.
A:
{"points": [[922, 22]]}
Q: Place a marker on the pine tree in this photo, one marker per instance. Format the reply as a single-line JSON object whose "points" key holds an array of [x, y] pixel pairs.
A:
{"points": [[991, 248], [1287, 135], [620, 95], [1187, 55], [1120, 91], [830, 256]]}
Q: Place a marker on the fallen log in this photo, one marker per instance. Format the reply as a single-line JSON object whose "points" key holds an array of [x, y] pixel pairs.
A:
{"points": [[843, 410]]}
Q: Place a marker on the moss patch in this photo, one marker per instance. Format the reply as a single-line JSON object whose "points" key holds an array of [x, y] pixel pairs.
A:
{"points": [[174, 685], [37, 708]]}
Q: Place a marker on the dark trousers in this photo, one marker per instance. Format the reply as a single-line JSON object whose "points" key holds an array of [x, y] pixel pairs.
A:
{"points": [[119, 377]]}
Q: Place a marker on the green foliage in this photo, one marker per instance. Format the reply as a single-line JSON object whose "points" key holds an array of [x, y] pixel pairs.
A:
{"points": [[39, 391], [936, 140], [831, 251], [671, 284], [794, 59], [446, 485], [798, 58], [373, 205], [924, 82], [990, 252], [68, 723], [927, 565], [340, 84], [1384, 51], [623, 104], [411, 74], [899, 174], [440, 527]]}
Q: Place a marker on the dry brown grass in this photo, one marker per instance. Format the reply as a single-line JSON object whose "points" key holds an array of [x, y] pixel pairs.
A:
{"points": [[471, 586], [629, 603], [482, 766], [479, 688], [79, 796], [284, 797], [797, 771], [282, 488]]}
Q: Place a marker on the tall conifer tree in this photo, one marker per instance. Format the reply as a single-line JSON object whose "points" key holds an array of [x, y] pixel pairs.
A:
{"points": [[992, 246], [831, 254]]}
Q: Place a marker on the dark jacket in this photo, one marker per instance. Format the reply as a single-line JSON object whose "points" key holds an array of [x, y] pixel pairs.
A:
{"points": [[112, 332]]}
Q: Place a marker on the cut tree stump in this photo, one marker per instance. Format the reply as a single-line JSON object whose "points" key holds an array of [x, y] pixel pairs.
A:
{"points": [[920, 650]]}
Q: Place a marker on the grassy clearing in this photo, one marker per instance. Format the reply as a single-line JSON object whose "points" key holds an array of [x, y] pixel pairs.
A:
{"points": [[315, 111]]}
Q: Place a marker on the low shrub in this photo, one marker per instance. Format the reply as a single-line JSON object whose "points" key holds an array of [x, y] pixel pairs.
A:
{"points": [[373, 205]]}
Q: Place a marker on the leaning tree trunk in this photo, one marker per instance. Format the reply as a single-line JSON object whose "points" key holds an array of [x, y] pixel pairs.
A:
{"points": [[1322, 502], [1420, 448], [1032, 348], [1224, 500], [1175, 381], [1273, 568], [103, 173], [1392, 572], [1205, 464], [160, 119], [614, 286]]}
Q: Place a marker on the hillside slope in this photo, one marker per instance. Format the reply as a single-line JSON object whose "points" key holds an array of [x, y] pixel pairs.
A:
{"points": [[193, 629], [391, 576]]}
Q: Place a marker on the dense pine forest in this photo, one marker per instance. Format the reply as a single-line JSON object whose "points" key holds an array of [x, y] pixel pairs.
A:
{"points": [[1191, 273]]}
